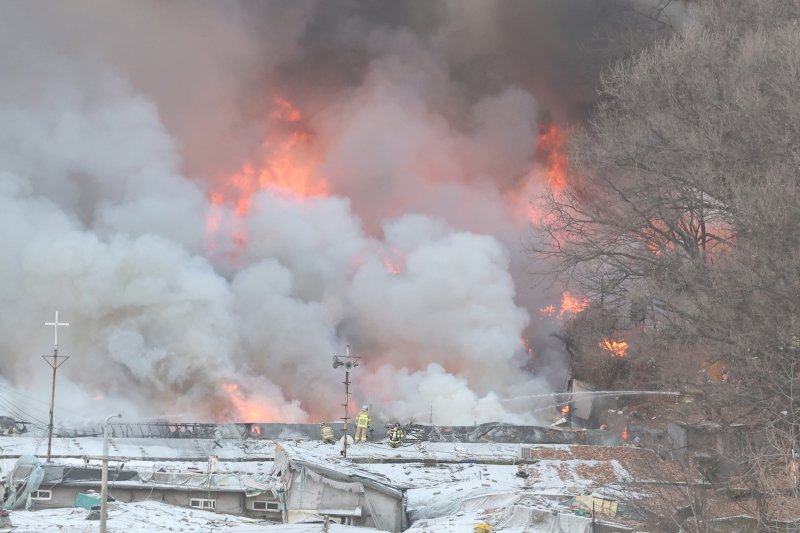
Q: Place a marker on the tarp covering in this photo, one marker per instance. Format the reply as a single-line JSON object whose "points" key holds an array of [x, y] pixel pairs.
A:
{"points": [[544, 521], [26, 477], [356, 488], [231, 482], [599, 505]]}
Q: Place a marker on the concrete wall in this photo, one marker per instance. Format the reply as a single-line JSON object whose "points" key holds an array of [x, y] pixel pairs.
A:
{"points": [[226, 502]]}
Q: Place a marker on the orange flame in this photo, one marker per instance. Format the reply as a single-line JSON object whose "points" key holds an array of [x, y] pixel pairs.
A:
{"points": [[392, 260], [617, 348], [526, 346], [572, 304], [247, 411], [551, 147], [286, 171], [550, 310], [565, 409]]}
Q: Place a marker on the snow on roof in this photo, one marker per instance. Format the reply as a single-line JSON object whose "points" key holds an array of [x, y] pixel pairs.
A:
{"points": [[582, 464], [150, 516], [141, 448], [318, 459]]}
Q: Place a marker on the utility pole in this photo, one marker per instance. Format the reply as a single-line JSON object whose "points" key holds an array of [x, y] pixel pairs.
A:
{"points": [[54, 363], [347, 362], [104, 477]]}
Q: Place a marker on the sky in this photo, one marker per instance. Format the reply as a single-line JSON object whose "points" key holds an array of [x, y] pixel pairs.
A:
{"points": [[219, 197]]}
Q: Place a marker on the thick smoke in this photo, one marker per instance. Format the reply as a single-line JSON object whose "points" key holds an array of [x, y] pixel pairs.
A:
{"points": [[118, 122]]}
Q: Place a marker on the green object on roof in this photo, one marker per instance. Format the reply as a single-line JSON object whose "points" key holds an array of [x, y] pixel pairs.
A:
{"points": [[87, 501]]}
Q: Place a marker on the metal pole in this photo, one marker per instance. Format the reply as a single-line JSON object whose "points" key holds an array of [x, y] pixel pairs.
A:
{"points": [[347, 362], [346, 405], [104, 476]]}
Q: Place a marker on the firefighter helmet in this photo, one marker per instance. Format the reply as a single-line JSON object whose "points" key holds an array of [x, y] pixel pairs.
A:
{"points": [[482, 527]]}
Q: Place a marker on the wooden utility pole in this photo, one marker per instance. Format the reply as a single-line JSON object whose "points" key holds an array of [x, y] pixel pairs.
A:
{"points": [[54, 362]]}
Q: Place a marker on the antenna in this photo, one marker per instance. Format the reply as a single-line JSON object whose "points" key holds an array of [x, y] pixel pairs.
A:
{"points": [[54, 363], [348, 362]]}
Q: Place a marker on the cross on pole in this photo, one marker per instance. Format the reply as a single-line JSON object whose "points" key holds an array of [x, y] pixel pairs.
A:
{"points": [[55, 325], [54, 363]]}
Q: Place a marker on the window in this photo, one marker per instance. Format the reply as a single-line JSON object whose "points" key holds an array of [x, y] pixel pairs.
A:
{"points": [[526, 452], [265, 505], [202, 504], [41, 495]]}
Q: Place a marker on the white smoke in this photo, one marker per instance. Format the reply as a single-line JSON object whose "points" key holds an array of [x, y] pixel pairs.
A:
{"points": [[117, 123]]}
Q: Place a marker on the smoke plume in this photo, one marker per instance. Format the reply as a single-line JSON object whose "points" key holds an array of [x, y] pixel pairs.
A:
{"points": [[140, 148]]}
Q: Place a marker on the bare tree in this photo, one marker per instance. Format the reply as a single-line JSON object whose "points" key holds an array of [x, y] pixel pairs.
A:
{"points": [[682, 221]]}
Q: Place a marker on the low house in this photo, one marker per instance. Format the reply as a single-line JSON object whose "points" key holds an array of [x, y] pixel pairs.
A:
{"points": [[313, 487], [225, 493]]}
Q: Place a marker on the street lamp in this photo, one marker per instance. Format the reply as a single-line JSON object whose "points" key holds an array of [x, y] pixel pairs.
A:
{"points": [[348, 362], [104, 476]]}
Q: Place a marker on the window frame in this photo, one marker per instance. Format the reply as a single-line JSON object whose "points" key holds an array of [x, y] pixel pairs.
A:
{"points": [[204, 504], [36, 495], [270, 506]]}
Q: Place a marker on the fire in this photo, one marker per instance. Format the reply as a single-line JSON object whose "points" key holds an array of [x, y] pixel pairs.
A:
{"points": [[287, 170], [247, 410], [392, 260], [550, 310], [617, 348], [551, 160], [565, 409], [551, 147], [527, 346], [572, 304]]}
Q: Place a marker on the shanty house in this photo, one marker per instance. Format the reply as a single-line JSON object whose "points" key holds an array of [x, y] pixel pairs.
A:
{"points": [[224, 493], [312, 487]]}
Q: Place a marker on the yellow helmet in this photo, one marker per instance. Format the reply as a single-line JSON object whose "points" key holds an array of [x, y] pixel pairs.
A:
{"points": [[482, 527]]}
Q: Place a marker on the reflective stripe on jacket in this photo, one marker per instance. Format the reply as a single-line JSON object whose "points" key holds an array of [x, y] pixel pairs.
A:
{"points": [[327, 432], [362, 420]]}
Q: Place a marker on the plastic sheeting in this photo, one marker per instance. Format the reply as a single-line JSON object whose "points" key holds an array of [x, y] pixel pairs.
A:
{"points": [[353, 487], [541, 520], [235, 482], [26, 477]]}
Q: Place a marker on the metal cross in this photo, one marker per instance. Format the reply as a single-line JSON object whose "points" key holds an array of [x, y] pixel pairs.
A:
{"points": [[55, 325]]}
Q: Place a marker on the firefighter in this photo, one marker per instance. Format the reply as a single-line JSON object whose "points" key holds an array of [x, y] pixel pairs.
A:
{"points": [[482, 527], [362, 424], [396, 435], [327, 434]]}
